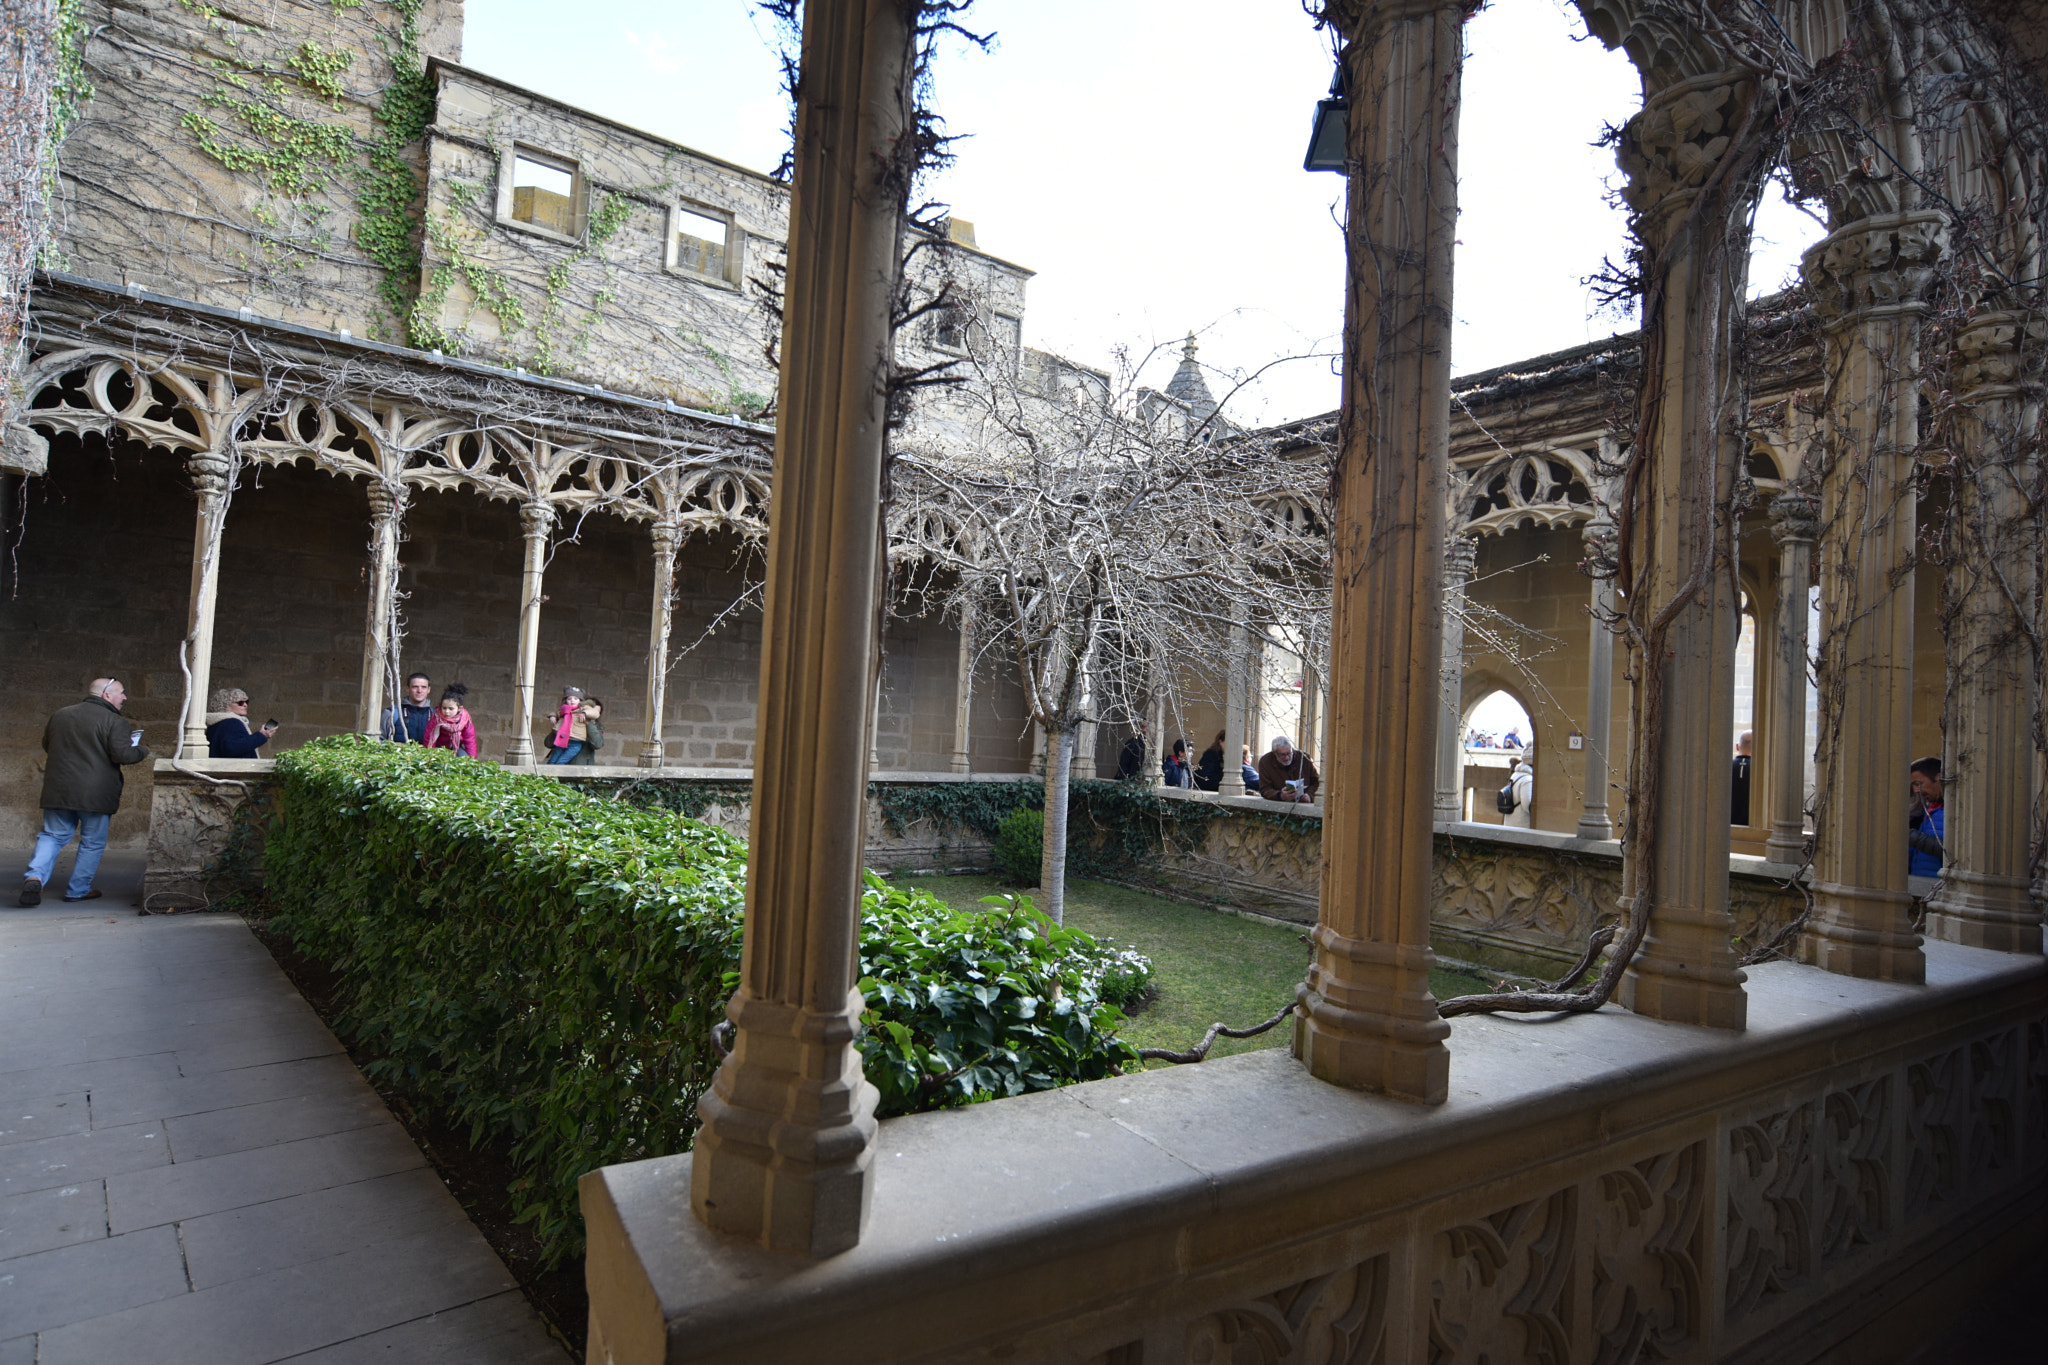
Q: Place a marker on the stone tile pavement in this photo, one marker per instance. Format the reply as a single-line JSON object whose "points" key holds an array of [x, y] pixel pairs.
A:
{"points": [[192, 1171]]}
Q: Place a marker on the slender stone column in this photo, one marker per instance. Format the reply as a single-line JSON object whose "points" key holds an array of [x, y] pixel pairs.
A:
{"points": [[1157, 743], [1365, 1017], [1795, 523], [785, 1153], [1594, 820], [1461, 556], [1867, 279], [1679, 591], [963, 696], [212, 475], [1234, 707], [1311, 721], [1984, 899], [387, 513], [536, 520], [668, 538]]}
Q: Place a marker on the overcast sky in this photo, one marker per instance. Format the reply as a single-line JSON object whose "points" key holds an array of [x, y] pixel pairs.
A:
{"points": [[1144, 157]]}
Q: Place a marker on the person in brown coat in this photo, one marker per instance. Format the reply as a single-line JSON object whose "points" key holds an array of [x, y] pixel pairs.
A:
{"points": [[1285, 773], [89, 743]]}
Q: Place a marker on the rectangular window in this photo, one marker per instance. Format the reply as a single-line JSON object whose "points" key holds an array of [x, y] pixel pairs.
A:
{"points": [[703, 243], [544, 193], [949, 328]]}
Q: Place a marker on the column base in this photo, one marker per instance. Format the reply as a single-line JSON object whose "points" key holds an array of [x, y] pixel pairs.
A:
{"points": [[1596, 826], [651, 755], [1785, 846], [1448, 811], [962, 764], [519, 753], [1861, 931], [1686, 972], [1365, 1019], [1978, 910], [786, 1151]]}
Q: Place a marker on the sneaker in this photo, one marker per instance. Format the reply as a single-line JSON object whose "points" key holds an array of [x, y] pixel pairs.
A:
{"points": [[91, 895], [31, 892]]}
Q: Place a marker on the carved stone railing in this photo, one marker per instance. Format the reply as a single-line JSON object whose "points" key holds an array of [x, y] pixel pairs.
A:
{"points": [[1610, 1188]]}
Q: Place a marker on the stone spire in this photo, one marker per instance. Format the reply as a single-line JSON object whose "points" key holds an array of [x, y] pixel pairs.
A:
{"points": [[1188, 386]]}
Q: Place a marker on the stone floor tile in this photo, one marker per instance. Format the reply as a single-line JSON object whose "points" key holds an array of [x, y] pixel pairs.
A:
{"points": [[282, 1233], [245, 1127], [33, 1118], [103, 1152], [120, 1103], [16, 1086], [239, 1179], [274, 1317], [500, 1330], [18, 1350], [286, 1038], [71, 1284], [54, 1217]]}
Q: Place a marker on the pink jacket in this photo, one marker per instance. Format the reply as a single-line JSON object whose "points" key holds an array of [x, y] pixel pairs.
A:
{"points": [[458, 734]]}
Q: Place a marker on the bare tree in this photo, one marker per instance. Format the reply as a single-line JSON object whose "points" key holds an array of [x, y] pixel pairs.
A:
{"points": [[1103, 538]]}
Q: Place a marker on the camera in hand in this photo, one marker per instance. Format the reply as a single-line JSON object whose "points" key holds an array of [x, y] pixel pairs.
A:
{"points": [[270, 724]]}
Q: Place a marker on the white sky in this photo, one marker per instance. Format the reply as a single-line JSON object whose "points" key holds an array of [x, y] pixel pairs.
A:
{"points": [[1144, 157]]}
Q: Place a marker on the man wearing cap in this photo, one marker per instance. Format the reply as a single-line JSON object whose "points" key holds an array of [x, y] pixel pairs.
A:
{"points": [[89, 743]]}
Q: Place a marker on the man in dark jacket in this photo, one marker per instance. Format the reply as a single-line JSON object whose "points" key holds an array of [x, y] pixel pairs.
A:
{"points": [[406, 723], [88, 744]]}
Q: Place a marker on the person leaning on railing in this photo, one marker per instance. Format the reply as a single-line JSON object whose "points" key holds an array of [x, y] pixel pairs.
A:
{"points": [[1286, 774], [228, 732]]}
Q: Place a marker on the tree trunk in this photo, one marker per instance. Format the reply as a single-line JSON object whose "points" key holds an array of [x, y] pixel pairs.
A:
{"points": [[1052, 867]]}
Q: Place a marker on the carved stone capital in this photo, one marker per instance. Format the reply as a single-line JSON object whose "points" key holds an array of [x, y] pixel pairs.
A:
{"points": [[1795, 518], [1997, 353], [209, 471], [1875, 265], [1671, 147], [386, 500], [1461, 557], [536, 519], [667, 537], [1358, 20], [1603, 544]]}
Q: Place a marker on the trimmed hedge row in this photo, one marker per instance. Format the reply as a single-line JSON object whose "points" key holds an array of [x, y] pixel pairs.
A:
{"points": [[546, 967]]}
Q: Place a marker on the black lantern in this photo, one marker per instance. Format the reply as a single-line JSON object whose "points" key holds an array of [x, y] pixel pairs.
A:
{"points": [[1326, 141]]}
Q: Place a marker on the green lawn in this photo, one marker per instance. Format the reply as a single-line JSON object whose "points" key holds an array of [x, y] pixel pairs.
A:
{"points": [[1211, 965]]}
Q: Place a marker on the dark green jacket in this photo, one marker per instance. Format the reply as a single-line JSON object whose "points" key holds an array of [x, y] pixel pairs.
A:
{"points": [[87, 743], [588, 756]]}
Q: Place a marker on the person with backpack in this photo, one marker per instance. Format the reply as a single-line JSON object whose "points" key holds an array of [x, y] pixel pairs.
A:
{"points": [[1519, 794]]}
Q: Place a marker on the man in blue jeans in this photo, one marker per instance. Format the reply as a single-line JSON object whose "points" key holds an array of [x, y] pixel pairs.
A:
{"points": [[88, 744]]}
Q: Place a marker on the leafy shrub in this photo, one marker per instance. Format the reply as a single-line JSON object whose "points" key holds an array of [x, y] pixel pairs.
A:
{"points": [[546, 967], [984, 1006], [1020, 846]]}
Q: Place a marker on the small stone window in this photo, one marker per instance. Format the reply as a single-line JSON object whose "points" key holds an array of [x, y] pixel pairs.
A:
{"points": [[546, 193], [950, 328], [702, 242]]}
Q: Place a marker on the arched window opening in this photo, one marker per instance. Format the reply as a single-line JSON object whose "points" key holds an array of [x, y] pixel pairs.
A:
{"points": [[1497, 733]]}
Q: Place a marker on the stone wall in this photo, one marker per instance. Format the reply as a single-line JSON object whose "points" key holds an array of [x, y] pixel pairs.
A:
{"points": [[142, 201]]}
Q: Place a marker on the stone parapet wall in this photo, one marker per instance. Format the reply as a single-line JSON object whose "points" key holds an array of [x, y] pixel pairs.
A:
{"points": [[1834, 1183], [207, 822]]}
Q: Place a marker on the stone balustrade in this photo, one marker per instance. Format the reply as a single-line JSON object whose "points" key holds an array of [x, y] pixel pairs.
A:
{"points": [[1605, 1188]]}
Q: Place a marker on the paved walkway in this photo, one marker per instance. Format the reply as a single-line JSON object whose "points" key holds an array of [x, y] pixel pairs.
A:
{"points": [[191, 1169]]}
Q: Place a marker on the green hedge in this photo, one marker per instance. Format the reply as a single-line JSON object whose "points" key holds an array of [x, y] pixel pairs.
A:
{"points": [[546, 967]]}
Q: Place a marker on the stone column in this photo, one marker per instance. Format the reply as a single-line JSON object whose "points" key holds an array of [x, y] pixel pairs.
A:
{"points": [[1234, 708], [1365, 1018], [1594, 820], [1795, 523], [963, 695], [1677, 583], [387, 514], [1157, 742], [212, 475], [1867, 279], [1305, 736], [668, 537], [1460, 557], [1984, 899], [536, 520], [785, 1156]]}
